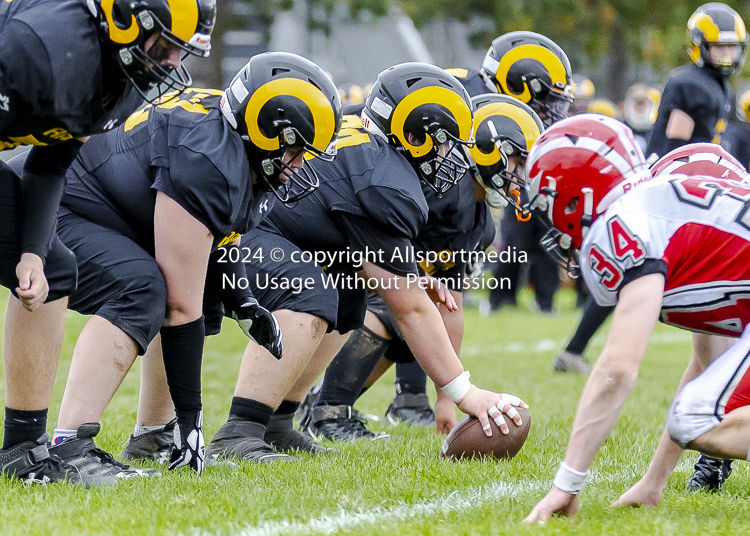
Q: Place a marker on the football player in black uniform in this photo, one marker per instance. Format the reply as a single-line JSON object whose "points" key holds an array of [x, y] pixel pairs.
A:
{"points": [[536, 71], [56, 88], [155, 197], [410, 403], [505, 130], [697, 99]]}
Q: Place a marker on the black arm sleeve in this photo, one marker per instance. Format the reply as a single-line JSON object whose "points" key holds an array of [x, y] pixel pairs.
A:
{"points": [[42, 185]]}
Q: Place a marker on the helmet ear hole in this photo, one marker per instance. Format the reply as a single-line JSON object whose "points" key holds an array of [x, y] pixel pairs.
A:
{"points": [[572, 207]]}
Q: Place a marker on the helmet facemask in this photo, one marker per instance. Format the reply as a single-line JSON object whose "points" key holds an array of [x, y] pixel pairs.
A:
{"points": [[138, 37], [551, 103], [557, 244], [440, 171], [145, 71], [290, 183]]}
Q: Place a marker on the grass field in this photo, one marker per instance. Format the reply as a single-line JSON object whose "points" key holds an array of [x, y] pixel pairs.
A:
{"points": [[401, 486]]}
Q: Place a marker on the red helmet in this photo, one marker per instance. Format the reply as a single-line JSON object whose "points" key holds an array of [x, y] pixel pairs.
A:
{"points": [[701, 159], [575, 170]]}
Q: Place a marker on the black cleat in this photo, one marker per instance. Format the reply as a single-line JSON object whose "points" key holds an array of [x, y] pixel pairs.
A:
{"points": [[239, 439], [709, 474], [81, 452], [304, 412], [32, 463], [411, 409], [294, 440], [340, 423], [156, 445]]}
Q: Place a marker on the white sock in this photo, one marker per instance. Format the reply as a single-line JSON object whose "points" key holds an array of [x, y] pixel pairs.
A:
{"points": [[748, 455], [142, 430], [61, 434]]}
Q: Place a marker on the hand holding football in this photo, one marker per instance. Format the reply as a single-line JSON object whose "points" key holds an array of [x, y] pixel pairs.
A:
{"points": [[467, 439]]}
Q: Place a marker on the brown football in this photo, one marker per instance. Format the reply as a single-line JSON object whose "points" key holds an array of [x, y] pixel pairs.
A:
{"points": [[467, 440]]}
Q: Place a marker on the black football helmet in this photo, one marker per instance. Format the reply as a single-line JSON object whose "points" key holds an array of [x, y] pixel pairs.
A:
{"points": [[504, 127], [533, 69], [280, 100], [418, 107], [128, 24], [717, 24]]}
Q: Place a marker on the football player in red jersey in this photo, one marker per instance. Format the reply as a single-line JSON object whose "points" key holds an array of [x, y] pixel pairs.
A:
{"points": [[646, 256]]}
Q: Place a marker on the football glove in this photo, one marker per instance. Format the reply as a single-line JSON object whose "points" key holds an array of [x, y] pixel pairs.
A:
{"points": [[259, 324], [192, 451]]}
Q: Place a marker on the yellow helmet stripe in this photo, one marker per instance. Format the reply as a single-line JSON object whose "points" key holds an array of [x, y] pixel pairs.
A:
{"points": [[739, 27], [444, 97], [116, 34], [184, 18], [524, 120], [545, 56], [705, 24], [321, 110]]}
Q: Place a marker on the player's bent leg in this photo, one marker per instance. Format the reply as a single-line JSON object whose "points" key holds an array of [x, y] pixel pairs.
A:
{"points": [[709, 474], [261, 389], [152, 439], [411, 404], [122, 286], [333, 416], [711, 412]]}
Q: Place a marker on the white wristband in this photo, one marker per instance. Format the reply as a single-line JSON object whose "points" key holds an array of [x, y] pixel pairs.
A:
{"points": [[458, 387], [569, 480]]}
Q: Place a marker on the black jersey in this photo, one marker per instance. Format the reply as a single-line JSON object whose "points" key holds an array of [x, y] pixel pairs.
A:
{"points": [[183, 148], [51, 81], [473, 81], [706, 97], [736, 140], [369, 183], [449, 226]]}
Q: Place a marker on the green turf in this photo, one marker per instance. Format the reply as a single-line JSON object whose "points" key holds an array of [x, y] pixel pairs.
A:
{"points": [[401, 486]]}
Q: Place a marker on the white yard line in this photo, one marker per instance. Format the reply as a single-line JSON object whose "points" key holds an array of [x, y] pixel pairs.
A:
{"points": [[460, 500], [548, 345], [463, 500]]}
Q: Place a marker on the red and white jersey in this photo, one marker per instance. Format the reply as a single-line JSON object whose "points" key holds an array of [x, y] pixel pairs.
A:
{"points": [[693, 229]]}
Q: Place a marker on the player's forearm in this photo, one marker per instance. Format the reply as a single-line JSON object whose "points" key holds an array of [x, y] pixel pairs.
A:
{"points": [[42, 186], [602, 400], [422, 327], [454, 323]]}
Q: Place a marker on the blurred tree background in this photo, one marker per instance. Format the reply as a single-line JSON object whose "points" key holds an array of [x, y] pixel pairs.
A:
{"points": [[611, 39]]}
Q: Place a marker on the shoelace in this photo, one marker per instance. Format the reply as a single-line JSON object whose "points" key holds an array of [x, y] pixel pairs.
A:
{"points": [[355, 425], [106, 458]]}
